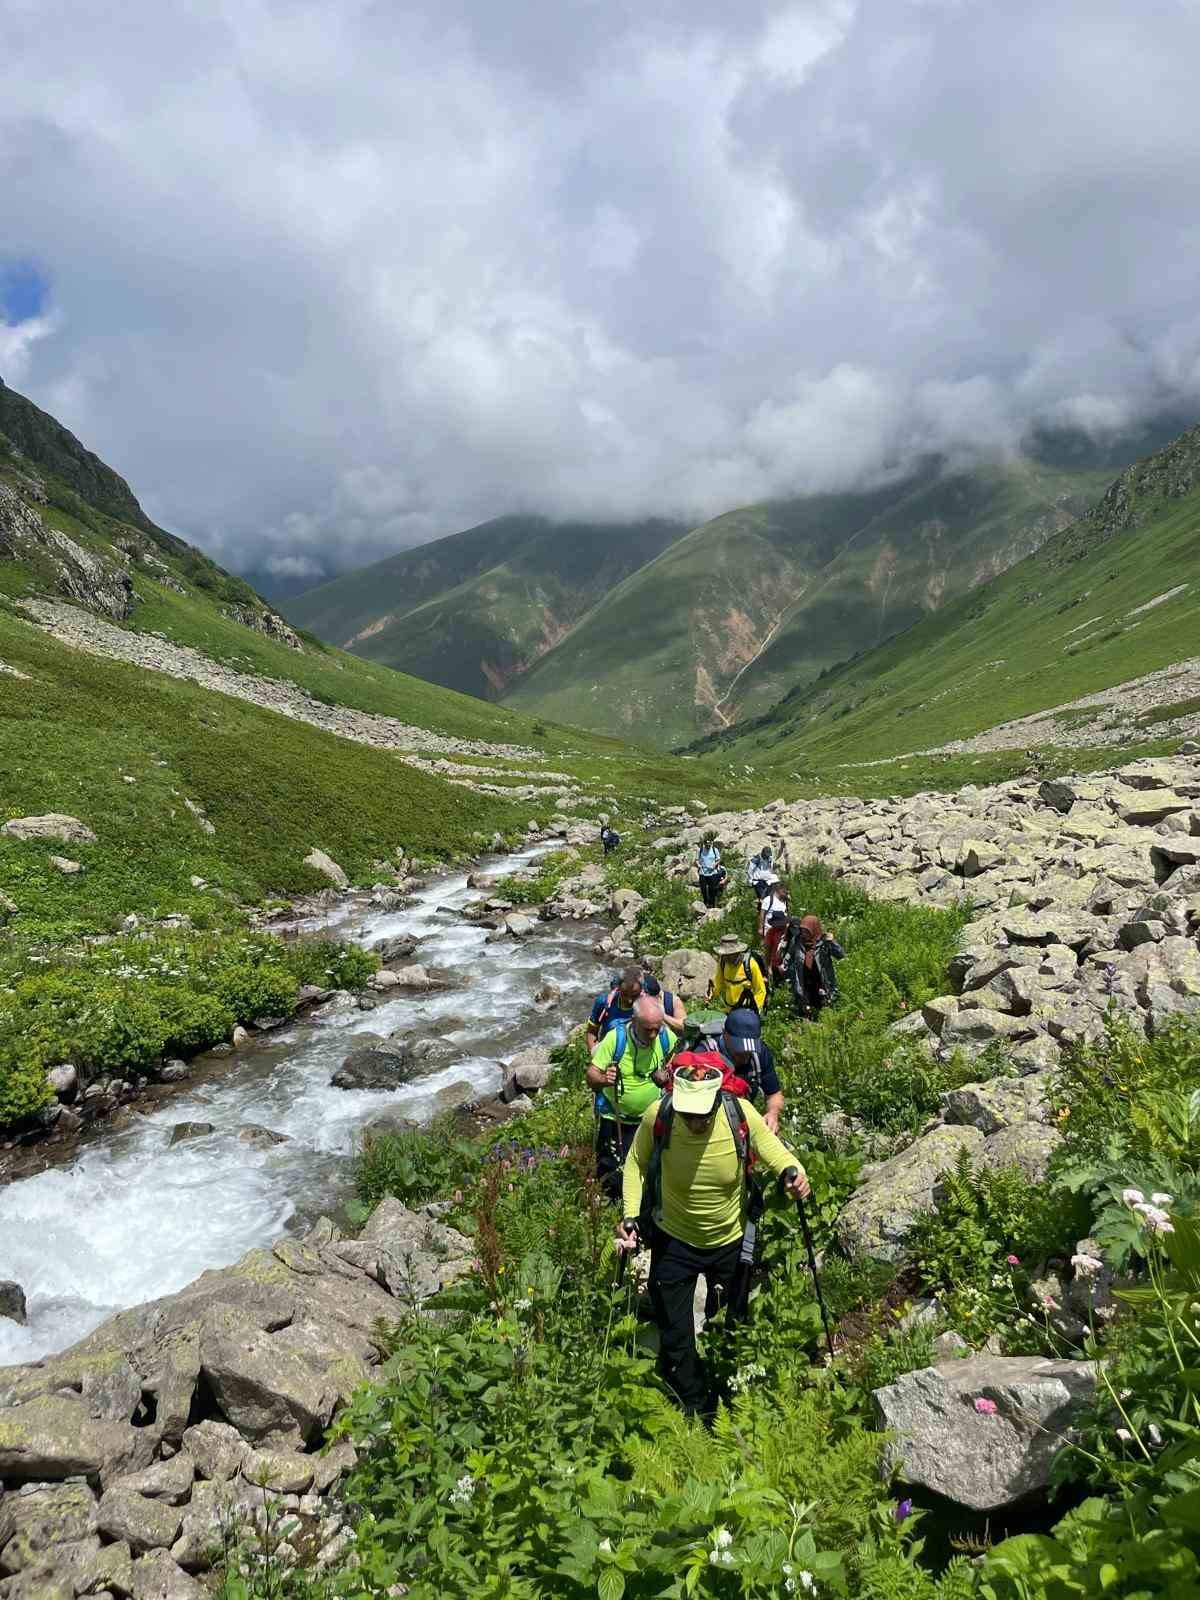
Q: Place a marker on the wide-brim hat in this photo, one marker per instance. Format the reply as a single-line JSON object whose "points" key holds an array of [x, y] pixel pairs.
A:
{"points": [[695, 1086], [731, 945]]}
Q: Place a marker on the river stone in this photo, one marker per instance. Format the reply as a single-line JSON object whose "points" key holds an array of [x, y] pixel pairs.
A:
{"points": [[217, 1449], [880, 1215], [143, 1523], [173, 1071], [381, 1064], [12, 1301], [54, 825], [328, 867], [519, 926], [63, 1079], [157, 1577], [995, 1104], [688, 972], [940, 1442], [259, 1138], [398, 948], [190, 1130], [529, 1069], [55, 1436], [42, 1515]]}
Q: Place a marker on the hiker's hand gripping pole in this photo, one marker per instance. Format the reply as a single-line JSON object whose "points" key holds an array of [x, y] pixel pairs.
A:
{"points": [[787, 1180], [627, 1242]]}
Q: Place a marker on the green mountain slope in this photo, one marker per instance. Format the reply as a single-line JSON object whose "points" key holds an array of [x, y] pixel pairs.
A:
{"points": [[1112, 598], [474, 610], [730, 617]]}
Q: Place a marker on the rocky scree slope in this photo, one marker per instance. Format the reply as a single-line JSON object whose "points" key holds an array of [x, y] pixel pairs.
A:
{"points": [[1085, 895], [1088, 641]]}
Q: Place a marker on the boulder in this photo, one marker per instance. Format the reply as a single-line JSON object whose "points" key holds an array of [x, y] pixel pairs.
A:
{"points": [[182, 1131], [157, 1577], [68, 868], [997, 1103], [398, 948], [143, 1523], [879, 1216], [328, 867], [12, 1301], [283, 1471], [169, 1480], [973, 1029], [1028, 1145], [63, 1080], [987, 1459], [268, 1391], [381, 1064], [688, 972], [40, 1516], [259, 1138], [54, 825], [529, 1071], [519, 926], [55, 1436], [217, 1449], [975, 856]]}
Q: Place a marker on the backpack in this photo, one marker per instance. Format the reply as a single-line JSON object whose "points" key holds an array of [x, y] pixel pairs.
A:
{"points": [[602, 1019], [664, 1118], [622, 1028], [746, 998]]}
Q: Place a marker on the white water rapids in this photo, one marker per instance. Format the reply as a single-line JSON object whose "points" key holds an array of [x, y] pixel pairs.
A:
{"points": [[132, 1218]]}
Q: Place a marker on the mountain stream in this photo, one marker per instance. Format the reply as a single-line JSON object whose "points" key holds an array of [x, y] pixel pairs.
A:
{"points": [[133, 1217]]}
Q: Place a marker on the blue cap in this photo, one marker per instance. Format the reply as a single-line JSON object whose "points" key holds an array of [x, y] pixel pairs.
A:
{"points": [[744, 1025]]}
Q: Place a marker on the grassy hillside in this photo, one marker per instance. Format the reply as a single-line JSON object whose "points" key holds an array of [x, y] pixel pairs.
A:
{"points": [[1115, 596], [729, 618], [474, 610]]}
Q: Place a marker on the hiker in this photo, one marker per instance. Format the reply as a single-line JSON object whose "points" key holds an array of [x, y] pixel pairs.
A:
{"points": [[773, 926], [689, 1193], [808, 963], [760, 869], [609, 838], [615, 1006], [628, 1073], [740, 979], [674, 1010], [713, 876], [741, 1044]]}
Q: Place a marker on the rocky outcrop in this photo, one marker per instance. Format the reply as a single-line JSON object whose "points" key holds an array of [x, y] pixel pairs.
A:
{"points": [[878, 1218], [80, 575], [327, 867], [688, 972], [113, 1482], [54, 825], [983, 1431], [377, 1064]]}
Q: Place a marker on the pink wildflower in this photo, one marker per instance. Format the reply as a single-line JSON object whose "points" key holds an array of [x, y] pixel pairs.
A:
{"points": [[1013, 1261], [985, 1407]]}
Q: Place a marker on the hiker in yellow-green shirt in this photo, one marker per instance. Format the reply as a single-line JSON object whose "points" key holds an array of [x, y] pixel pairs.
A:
{"points": [[689, 1193], [740, 978]]}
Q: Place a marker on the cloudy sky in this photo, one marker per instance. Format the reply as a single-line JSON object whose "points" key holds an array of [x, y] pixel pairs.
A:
{"points": [[323, 280]]}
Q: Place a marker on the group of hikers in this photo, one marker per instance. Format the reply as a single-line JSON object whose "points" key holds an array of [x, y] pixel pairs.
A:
{"points": [[688, 1108]]}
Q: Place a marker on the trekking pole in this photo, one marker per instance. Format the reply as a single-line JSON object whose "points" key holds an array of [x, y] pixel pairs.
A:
{"points": [[812, 1266]]}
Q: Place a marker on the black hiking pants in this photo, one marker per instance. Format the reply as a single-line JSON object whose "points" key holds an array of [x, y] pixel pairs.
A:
{"points": [[613, 1142], [710, 887], [674, 1269]]}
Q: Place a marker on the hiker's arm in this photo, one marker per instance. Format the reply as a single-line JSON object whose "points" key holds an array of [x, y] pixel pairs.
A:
{"points": [[773, 1110], [634, 1176], [770, 1150], [677, 1016], [593, 1027], [773, 1091], [835, 950], [759, 986], [601, 1072]]}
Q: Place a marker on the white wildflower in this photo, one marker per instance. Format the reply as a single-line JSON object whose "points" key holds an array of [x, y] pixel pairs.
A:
{"points": [[807, 1582], [1124, 1435], [522, 1305], [1086, 1266], [722, 1538], [1155, 1220], [606, 1546], [1132, 1197], [1162, 1199], [463, 1491], [1154, 1434]]}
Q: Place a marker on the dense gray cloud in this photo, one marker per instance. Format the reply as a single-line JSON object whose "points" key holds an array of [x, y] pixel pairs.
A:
{"points": [[326, 279]]}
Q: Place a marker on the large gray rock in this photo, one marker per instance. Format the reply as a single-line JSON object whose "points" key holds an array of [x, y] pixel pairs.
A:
{"points": [[55, 1436], [878, 1218], [983, 1460], [143, 1523], [269, 1392], [157, 1577], [12, 1301], [40, 1516], [166, 1480], [528, 1072], [328, 867], [217, 1449], [1028, 1145], [688, 972], [996, 1103], [54, 825], [378, 1064]]}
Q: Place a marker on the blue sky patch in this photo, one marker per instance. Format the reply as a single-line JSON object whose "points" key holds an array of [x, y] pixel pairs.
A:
{"points": [[24, 290]]}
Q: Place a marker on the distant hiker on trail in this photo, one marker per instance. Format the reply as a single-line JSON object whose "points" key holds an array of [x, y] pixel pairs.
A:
{"points": [[760, 869], [673, 1007], [773, 925], [740, 979], [689, 1193], [628, 1073], [614, 1006], [713, 876], [609, 838], [811, 953], [741, 1045]]}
